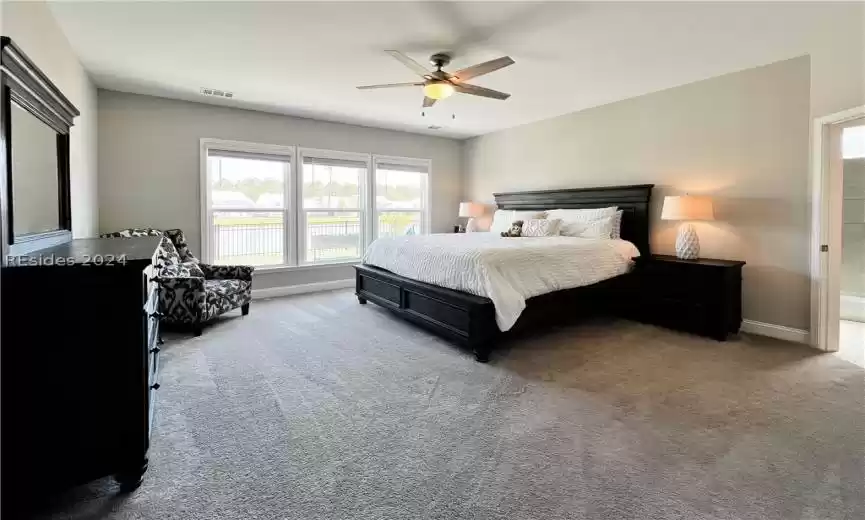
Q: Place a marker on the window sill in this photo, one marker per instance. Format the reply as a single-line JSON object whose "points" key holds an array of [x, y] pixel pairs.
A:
{"points": [[305, 267]]}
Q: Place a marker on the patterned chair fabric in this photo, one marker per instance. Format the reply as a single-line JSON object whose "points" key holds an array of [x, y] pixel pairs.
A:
{"points": [[191, 292], [132, 232], [194, 292], [179, 240]]}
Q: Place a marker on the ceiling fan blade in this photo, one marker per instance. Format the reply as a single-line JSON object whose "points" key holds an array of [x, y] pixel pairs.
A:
{"points": [[428, 102], [390, 85], [416, 67], [475, 90], [483, 68]]}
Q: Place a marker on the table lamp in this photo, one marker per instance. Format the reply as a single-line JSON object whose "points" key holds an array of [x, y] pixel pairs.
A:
{"points": [[687, 208], [471, 210]]}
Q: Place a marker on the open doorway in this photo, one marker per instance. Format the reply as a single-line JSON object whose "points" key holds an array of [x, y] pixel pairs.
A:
{"points": [[836, 260], [851, 333]]}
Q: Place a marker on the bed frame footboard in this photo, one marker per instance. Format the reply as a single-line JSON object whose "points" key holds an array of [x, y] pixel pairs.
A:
{"points": [[461, 317]]}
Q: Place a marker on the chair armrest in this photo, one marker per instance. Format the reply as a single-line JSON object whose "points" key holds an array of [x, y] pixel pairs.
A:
{"points": [[179, 292], [227, 272]]}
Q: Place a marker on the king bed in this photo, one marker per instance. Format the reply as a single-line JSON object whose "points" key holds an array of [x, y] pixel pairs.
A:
{"points": [[479, 288]]}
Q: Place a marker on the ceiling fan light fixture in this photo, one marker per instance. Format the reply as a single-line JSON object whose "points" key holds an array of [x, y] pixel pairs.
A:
{"points": [[438, 90]]}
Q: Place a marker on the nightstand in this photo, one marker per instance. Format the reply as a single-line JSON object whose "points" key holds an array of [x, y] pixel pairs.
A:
{"points": [[700, 296]]}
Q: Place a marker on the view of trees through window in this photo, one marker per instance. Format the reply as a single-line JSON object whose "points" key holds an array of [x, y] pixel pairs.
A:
{"points": [[250, 218]]}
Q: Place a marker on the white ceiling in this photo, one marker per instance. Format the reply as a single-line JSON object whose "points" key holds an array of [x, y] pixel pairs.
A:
{"points": [[305, 59]]}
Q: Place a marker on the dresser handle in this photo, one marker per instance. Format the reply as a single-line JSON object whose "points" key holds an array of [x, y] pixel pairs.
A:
{"points": [[155, 386], [154, 350]]}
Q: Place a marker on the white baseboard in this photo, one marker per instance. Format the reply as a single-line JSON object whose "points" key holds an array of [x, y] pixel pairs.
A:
{"points": [[288, 290], [775, 331], [852, 307]]}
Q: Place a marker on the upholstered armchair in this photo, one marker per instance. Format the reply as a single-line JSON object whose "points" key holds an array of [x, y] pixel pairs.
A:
{"points": [[193, 293]]}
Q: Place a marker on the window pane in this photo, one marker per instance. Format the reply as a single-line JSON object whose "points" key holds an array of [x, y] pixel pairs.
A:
{"points": [[399, 223], [241, 183], [248, 238], [329, 186], [332, 236], [853, 142], [399, 189]]}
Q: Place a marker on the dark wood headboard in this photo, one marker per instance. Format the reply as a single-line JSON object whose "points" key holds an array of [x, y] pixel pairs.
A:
{"points": [[632, 200]]}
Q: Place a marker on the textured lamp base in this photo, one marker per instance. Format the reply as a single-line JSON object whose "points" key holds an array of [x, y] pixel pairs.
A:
{"points": [[687, 243], [472, 225]]}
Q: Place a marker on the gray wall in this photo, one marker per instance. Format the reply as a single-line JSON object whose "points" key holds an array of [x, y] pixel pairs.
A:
{"points": [[853, 235], [32, 26], [742, 138], [149, 163]]}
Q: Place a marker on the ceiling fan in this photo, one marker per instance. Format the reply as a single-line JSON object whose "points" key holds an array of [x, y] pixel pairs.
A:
{"points": [[438, 84]]}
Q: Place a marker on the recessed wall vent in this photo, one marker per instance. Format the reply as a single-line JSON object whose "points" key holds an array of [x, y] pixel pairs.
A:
{"points": [[213, 92]]}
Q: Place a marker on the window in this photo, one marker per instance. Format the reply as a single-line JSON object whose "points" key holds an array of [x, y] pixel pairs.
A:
{"points": [[853, 142], [248, 217], [400, 198], [267, 205], [332, 206]]}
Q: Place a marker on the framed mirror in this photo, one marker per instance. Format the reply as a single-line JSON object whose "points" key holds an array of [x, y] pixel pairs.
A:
{"points": [[34, 133]]}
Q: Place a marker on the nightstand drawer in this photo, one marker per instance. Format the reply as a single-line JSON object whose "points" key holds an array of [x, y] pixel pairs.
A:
{"points": [[673, 281], [701, 296], [679, 314]]}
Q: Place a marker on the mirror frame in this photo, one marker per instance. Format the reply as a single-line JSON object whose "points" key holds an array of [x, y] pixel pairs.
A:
{"points": [[22, 82]]}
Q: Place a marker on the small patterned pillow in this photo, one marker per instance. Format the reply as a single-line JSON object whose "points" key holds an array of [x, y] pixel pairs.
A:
{"points": [[166, 253], [183, 270], [132, 232], [541, 227], [516, 229], [504, 218]]}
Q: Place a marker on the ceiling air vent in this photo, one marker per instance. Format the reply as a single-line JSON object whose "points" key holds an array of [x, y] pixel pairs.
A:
{"points": [[216, 93]]}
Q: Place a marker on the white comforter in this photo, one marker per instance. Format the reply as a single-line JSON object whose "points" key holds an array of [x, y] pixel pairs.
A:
{"points": [[506, 270]]}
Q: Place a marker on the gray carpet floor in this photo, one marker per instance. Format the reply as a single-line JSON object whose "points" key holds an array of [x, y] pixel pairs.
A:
{"points": [[315, 407]]}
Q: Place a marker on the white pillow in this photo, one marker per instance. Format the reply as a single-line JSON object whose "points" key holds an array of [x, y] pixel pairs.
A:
{"points": [[529, 214], [572, 218], [541, 227], [599, 228], [503, 218], [617, 225]]}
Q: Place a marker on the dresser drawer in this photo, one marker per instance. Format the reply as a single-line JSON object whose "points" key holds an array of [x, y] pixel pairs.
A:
{"points": [[153, 350]]}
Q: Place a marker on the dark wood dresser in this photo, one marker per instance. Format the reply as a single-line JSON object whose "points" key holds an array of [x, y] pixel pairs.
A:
{"points": [[79, 365], [700, 296]]}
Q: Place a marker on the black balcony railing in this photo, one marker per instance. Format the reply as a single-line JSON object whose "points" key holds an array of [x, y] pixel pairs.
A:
{"points": [[262, 243]]}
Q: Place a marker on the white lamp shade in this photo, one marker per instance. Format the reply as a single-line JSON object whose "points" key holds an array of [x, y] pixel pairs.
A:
{"points": [[687, 208], [471, 209]]}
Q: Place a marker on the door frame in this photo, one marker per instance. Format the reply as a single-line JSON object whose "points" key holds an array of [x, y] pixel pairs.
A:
{"points": [[826, 200]]}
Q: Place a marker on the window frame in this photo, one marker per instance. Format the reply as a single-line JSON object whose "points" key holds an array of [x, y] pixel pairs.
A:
{"points": [[294, 213], [288, 212], [303, 212], [425, 212]]}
